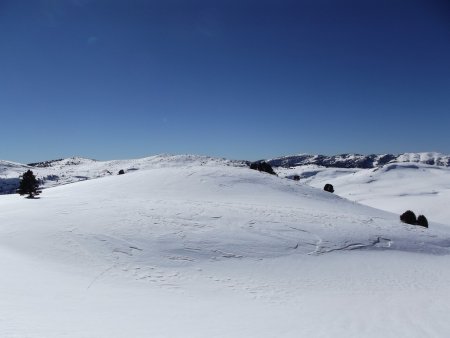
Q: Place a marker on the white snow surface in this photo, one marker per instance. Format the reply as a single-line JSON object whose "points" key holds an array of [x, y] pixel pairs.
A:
{"points": [[75, 169], [424, 157], [395, 187], [208, 249]]}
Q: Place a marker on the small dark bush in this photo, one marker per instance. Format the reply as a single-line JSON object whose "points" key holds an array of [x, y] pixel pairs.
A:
{"points": [[262, 166], [296, 178], [422, 221], [121, 172], [408, 217], [328, 187]]}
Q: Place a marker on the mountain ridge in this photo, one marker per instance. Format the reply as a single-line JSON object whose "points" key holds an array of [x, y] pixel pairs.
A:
{"points": [[360, 161]]}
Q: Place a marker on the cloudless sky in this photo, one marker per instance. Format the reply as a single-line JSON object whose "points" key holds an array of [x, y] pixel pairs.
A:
{"points": [[111, 79]]}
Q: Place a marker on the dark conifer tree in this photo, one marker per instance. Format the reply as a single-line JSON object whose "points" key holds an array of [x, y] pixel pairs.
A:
{"points": [[28, 185]]}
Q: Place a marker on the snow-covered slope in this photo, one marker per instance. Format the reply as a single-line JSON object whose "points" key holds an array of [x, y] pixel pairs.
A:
{"points": [[396, 187], [431, 158], [197, 250], [75, 169], [9, 176]]}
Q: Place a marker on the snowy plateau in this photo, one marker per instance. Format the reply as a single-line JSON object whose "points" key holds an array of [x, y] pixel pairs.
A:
{"points": [[192, 246]]}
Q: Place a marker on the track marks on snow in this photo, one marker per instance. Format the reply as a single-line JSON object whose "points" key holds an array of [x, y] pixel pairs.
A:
{"points": [[379, 242], [169, 236]]}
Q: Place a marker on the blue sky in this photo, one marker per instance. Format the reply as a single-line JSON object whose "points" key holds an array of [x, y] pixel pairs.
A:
{"points": [[237, 79]]}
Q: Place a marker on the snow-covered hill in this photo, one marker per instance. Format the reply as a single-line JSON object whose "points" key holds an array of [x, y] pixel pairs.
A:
{"points": [[208, 249], [394, 187], [416, 181], [9, 176], [75, 169]]}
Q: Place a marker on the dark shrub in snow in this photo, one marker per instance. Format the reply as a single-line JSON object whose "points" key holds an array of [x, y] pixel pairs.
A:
{"points": [[296, 178], [121, 172], [328, 187], [422, 221], [408, 217], [262, 166]]}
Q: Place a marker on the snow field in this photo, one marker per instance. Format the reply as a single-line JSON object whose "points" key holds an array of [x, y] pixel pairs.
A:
{"points": [[397, 187], [215, 251]]}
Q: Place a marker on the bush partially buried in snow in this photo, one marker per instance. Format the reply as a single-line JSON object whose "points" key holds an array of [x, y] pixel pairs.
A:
{"points": [[409, 217], [262, 166], [328, 187], [422, 221]]}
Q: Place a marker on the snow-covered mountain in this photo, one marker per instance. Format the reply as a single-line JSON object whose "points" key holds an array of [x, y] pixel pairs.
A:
{"points": [[360, 161], [64, 171], [197, 247]]}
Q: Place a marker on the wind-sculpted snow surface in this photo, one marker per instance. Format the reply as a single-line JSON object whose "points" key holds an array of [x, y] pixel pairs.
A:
{"points": [[210, 250]]}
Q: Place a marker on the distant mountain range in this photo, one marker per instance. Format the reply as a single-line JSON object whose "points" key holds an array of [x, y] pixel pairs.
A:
{"points": [[64, 171], [359, 161]]}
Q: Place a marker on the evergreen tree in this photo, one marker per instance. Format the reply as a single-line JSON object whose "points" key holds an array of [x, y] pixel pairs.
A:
{"points": [[28, 185]]}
